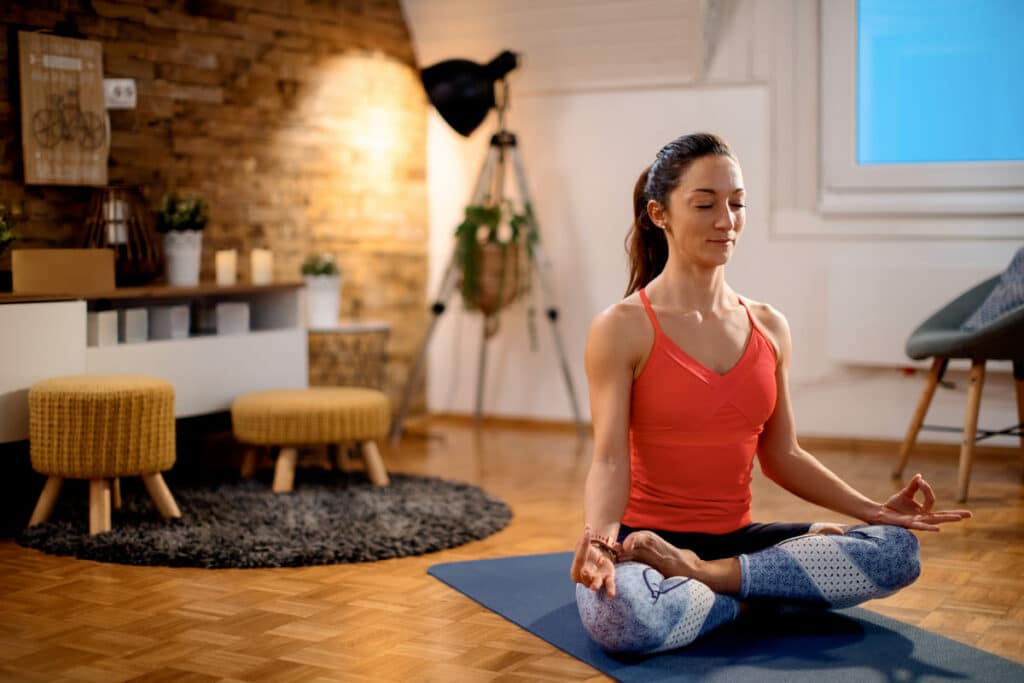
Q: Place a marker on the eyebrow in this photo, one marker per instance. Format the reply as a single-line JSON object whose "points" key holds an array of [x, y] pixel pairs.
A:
{"points": [[710, 191]]}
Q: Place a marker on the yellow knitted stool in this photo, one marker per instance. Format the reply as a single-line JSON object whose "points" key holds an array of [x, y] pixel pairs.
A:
{"points": [[101, 427], [306, 417]]}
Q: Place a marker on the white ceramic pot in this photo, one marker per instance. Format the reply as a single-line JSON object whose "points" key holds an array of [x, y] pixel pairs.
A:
{"points": [[323, 301], [181, 254]]}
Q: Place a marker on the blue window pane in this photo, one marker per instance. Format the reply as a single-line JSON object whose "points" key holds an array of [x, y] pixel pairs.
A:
{"points": [[940, 81]]}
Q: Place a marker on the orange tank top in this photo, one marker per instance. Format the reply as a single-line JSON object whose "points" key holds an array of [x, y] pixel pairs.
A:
{"points": [[693, 433]]}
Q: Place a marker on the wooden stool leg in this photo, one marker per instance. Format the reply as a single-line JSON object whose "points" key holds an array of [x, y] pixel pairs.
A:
{"points": [[47, 501], [249, 463], [374, 464], [977, 380], [1018, 380], [116, 492], [284, 470], [161, 495], [99, 506], [934, 376]]}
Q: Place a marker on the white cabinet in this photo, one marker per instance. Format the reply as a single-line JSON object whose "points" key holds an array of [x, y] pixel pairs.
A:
{"points": [[40, 339]]}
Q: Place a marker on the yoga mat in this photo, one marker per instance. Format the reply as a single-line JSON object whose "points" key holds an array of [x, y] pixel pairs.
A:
{"points": [[785, 645]]}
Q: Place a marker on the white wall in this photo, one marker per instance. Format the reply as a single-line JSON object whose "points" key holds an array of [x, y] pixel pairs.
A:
{"points": [[583, 149]]}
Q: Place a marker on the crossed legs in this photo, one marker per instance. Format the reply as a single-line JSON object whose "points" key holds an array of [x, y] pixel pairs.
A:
{"points": [[654, 610]]}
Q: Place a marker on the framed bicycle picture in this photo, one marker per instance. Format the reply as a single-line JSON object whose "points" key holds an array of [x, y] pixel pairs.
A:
{"points": [[64, 131]]}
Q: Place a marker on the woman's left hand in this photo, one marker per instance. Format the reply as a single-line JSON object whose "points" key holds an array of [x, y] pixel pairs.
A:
{"points": [[903, 510]]}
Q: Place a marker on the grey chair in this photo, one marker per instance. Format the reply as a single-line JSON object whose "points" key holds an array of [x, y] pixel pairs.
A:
{"points": [[940, 337]]}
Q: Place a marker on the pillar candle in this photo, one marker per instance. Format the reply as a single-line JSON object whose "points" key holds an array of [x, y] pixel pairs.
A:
{"points": [[261, 263], [227, 266]]}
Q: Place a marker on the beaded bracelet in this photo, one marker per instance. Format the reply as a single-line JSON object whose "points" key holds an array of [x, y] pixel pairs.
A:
{"points": [[601, 544]]}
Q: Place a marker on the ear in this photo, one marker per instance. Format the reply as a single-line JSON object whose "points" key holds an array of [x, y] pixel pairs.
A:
{"points": [[657, 212]]}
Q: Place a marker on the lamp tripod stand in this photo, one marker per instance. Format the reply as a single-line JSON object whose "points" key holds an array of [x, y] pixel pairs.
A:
{"points": [[489, 190]]}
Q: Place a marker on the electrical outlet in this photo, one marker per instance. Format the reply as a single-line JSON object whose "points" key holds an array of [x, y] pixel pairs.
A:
{"points": [[119, 93]]}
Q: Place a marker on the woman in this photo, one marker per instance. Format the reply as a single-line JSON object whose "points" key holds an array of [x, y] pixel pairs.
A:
{"points": [[688, 381]]}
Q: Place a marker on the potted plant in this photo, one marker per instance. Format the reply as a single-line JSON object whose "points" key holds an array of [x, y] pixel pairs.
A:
{"points": [[493, 250], [181, 219], [323, 291]]}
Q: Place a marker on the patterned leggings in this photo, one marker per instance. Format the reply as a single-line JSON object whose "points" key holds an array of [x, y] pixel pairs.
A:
{"points": [[651, 613]]}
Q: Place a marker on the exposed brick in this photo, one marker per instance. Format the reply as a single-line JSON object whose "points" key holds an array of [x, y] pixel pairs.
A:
{"points": [[267, 117]]}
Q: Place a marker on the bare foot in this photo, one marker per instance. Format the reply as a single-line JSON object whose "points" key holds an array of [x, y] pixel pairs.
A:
{"points": [[652, 549], [721, 576]]}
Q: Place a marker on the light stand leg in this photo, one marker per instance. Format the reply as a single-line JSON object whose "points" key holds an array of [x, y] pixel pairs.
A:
{"points": [[481, 371]]}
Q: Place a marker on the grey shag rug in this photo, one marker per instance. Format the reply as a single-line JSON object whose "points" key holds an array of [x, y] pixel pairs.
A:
{"points": [[330, 518]]}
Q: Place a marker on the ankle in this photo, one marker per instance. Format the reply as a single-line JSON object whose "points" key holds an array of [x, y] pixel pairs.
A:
{"points": [[721, 576]]}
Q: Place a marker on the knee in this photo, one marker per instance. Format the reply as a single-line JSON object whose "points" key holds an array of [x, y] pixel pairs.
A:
{"points": [[617, 624], [898, 562]]}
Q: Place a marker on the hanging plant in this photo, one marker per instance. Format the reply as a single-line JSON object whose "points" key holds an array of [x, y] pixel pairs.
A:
{"points": [[492, 244]]}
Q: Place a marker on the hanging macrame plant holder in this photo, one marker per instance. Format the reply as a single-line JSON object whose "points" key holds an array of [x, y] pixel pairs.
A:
{"points": [[495, 272]]}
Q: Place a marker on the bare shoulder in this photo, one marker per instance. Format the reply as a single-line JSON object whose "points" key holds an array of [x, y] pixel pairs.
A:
{"points": [[772, 322], [620, 332]]}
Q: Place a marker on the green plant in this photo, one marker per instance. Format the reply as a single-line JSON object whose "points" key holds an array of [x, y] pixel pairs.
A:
{"points": [[6, 235], [482, 225], [181, 212], [320, 264]]}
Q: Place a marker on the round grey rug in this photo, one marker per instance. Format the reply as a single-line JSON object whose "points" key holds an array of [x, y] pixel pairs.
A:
{"points": [[330, 518]]}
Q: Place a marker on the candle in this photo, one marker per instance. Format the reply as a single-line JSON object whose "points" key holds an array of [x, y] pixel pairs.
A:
{"points": [[261, 266], [227, 266]]}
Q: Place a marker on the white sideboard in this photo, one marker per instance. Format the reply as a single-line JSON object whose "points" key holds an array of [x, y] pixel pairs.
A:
{"points": [[42, 338]]}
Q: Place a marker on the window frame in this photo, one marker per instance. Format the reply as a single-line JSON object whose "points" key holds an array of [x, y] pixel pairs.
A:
{"points": [[965, 188]]}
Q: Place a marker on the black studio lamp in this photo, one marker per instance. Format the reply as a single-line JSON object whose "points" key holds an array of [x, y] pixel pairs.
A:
{"points": [[463, 91]]}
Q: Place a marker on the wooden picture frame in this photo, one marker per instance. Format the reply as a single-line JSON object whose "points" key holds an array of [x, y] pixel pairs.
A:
{"points": [[65, 134]]}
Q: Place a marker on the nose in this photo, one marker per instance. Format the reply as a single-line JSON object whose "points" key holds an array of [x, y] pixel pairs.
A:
{"points": [[725, 220]]}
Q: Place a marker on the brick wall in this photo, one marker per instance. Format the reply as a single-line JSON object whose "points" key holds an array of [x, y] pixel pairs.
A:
{"points": [[301, 121]]}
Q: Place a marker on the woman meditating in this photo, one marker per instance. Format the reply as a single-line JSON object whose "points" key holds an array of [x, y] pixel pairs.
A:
{"points": [[688, 380]]}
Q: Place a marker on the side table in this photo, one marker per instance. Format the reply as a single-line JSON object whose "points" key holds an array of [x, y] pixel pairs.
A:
{"points": [[353, 354]]}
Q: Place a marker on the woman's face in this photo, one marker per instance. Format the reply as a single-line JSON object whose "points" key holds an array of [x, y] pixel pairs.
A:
{"points": [[705, 213]]}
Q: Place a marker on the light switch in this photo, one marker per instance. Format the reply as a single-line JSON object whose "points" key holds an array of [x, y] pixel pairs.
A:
{"points": [[119, 93]]}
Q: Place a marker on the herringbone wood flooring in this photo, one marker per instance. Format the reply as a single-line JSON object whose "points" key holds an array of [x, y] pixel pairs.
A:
{"points": [[67, 620]]}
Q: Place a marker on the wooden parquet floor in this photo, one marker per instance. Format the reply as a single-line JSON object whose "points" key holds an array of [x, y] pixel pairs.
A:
{"points": [[67, 620]]}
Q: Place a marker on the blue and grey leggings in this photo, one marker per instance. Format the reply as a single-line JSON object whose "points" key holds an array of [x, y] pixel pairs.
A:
{"points": [[651, 612]]}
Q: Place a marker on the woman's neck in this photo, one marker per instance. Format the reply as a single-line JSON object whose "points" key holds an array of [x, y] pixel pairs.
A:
{"points": [[691, 288]]}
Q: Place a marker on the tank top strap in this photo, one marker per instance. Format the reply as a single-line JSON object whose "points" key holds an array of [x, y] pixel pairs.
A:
{"points": [[650, 310]]}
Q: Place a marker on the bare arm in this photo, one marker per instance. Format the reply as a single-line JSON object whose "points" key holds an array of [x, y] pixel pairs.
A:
{"points": [[609, 369], [787, 464]]}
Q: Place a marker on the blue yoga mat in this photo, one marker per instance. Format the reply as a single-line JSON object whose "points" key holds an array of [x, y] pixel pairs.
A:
{"points": [[786, 645]]}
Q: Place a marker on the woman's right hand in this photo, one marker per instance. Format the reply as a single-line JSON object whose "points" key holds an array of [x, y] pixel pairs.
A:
{"points": [[592, 566]]}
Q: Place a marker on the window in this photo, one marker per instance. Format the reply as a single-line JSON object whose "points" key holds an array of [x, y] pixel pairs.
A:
{"points": [[922, 109]]}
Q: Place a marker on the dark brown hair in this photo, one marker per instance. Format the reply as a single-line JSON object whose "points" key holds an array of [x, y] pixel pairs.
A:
{"points": [[646, 243]]}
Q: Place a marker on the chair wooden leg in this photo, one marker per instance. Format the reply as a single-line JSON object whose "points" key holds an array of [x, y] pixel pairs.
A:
{"points": [[161, 495], [248, 468], [99, 506], [977, 381], [1018, 380], [115, 491], [374, 464], [47, 501], [284, 470], [934, 376]]}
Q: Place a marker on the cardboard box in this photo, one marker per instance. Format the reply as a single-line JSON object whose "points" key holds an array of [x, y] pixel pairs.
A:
{"points": [[75, 272]]}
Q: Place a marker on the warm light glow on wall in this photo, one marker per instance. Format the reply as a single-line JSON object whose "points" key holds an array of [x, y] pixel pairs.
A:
{"points": [[356, 128]]}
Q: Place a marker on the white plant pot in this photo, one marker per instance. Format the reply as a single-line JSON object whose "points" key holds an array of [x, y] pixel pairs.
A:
{"points": [[323, 301], [181, 254]]}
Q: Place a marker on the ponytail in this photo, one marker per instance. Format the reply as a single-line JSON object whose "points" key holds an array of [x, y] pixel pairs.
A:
{"points": [[645, 242]]}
